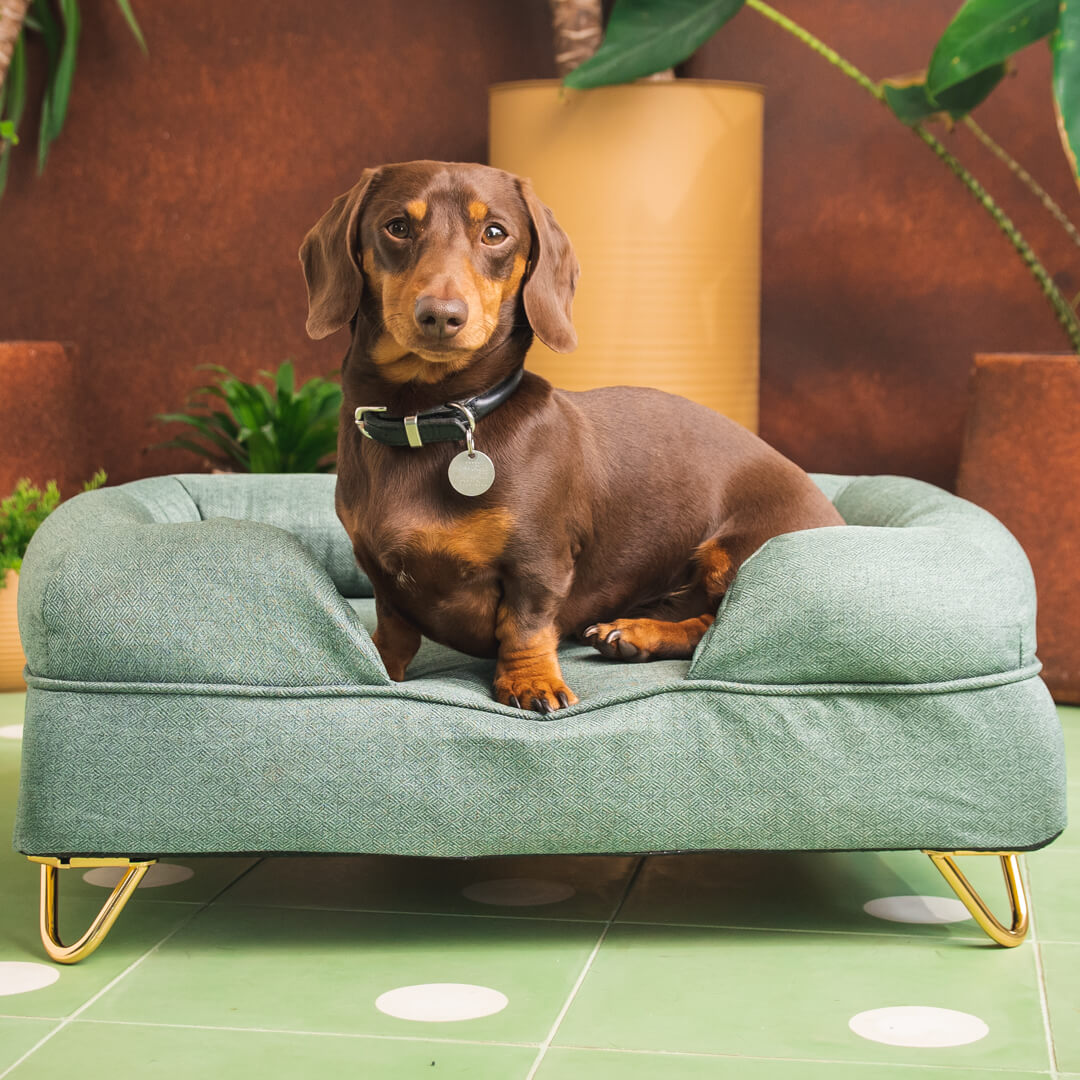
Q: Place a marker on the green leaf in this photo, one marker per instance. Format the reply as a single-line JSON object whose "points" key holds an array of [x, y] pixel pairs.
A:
{"points": [[14, 101], [984, 33], [58, 89], [646, 36], [129, 18], [14, 89], [910, 100], [285, 381], [1065, 46]]}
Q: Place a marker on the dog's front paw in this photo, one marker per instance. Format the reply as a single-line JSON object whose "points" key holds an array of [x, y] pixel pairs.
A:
{"points": [[542, 695]]}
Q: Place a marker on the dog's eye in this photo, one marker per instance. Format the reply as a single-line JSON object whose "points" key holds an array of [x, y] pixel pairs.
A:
{"points": [[493, 234], [398, 229]]}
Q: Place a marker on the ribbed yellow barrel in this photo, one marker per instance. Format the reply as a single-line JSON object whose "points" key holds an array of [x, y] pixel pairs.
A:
{"points": [[658, 185], [11, 653]]}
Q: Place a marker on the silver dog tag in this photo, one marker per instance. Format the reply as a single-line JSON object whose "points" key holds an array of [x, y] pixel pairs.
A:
{"points": [[471, 472]]}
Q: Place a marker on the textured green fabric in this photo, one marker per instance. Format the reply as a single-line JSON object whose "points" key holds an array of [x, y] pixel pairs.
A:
{"points": [[201, 686], [920, 586]]}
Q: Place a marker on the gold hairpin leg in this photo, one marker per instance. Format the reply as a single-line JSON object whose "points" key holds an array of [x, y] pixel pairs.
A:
{"points": [[103, 922], [1008, 936]]}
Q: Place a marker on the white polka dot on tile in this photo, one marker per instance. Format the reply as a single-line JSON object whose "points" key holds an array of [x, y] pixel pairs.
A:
{"points": [[440, 1002], [518, 892], [917, 909], [19, 977], [918, 1025], [11, 731], [108, 877]]}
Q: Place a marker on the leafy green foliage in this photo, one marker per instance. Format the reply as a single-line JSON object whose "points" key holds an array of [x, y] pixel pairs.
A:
{"points": [[61, 39], [646, 36], [23, 511], [912, 103], [1065, 46], [984, 33], [261, 430]]}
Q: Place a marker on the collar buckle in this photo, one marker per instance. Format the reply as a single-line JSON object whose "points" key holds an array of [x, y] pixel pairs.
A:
{"points": [[360, 410]]}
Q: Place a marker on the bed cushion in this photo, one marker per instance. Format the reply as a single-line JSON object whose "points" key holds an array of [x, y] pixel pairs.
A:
{"points": [[202, 679]]}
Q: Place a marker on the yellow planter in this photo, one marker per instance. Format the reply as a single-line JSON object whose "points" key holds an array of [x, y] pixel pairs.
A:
{"points": [[658, 185], [12, 659]]}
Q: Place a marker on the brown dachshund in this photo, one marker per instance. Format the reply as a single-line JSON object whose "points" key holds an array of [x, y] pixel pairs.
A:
{"points": [[618, 515]]}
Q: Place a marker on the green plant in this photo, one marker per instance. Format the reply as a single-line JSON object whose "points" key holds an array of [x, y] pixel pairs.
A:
{"points": [[288, 430], [970, 59], [23, 511], [59, 28]]}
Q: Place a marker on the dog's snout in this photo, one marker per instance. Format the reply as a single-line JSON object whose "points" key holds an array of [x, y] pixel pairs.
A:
{"points": [[439, 318]]}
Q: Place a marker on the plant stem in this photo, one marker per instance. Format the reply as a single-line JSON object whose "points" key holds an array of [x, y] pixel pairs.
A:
{"points": [[1062, 310], [1024, 177]]}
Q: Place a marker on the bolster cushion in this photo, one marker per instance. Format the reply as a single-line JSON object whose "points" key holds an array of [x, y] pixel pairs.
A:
{"points": [[116, 588], [919, 587]]}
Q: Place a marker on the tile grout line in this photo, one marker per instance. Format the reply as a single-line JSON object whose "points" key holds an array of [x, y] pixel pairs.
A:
{"points": [[1040, 975], [127, 971], [965, 1069], [546, 1044], [892, 934], [312, 1034]]}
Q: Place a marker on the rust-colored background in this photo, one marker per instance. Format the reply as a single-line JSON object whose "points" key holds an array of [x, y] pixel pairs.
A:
{"points": [[164, 231]]}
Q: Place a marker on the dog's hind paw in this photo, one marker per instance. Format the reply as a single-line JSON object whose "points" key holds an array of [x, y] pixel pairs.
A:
{"points": [[638, 640]]}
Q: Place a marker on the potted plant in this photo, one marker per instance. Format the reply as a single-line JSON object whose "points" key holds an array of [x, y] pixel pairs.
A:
{"points": [[664, 175], [20, 515], [262, 430], [1021, 454]]}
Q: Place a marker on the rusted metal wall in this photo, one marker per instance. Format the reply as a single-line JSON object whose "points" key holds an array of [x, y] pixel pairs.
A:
{"points": [[164, 231]]}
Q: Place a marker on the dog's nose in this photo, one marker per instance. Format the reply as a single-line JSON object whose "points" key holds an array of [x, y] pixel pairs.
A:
{"points": [[440, 319]]}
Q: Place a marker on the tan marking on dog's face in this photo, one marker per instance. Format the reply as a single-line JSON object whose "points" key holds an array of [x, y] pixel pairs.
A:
{"points": [[445, 255]]}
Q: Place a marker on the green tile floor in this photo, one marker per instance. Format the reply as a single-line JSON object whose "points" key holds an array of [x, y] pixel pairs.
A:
{"points": [[688, 967]]}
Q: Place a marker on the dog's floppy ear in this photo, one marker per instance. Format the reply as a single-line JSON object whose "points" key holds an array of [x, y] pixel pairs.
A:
{"points": [[552, 276], [328, 256]]}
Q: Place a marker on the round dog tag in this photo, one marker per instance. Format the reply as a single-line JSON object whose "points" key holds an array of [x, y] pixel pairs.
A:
{"points": [[471, 474]]}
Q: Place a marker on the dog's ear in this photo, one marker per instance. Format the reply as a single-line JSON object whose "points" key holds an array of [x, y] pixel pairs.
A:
{"points": [[329, 258], [552, 276]]}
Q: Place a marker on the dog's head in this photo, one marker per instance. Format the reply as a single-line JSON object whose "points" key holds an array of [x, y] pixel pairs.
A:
{"points": [[443, 255]]}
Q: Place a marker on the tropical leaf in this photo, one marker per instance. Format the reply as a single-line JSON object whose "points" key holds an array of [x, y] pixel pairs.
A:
{"points": [[984, 33], [1065, 46], [58, 88], [646, 36], [129, 18], [13, 103], [292, 429], [910, 100]]}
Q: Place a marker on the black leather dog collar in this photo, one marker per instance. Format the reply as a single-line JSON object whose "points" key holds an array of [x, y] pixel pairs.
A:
{"points": [[444, 423]]}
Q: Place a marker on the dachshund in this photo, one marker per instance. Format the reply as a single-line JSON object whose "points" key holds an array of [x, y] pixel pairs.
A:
{"points": [[490, 511]]}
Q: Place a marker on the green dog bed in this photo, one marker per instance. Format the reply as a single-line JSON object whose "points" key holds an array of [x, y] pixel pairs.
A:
{"points": [[201, 680]]}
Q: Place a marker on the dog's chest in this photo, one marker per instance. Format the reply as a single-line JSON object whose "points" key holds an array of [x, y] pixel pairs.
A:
{"points": [[440, 554]]}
